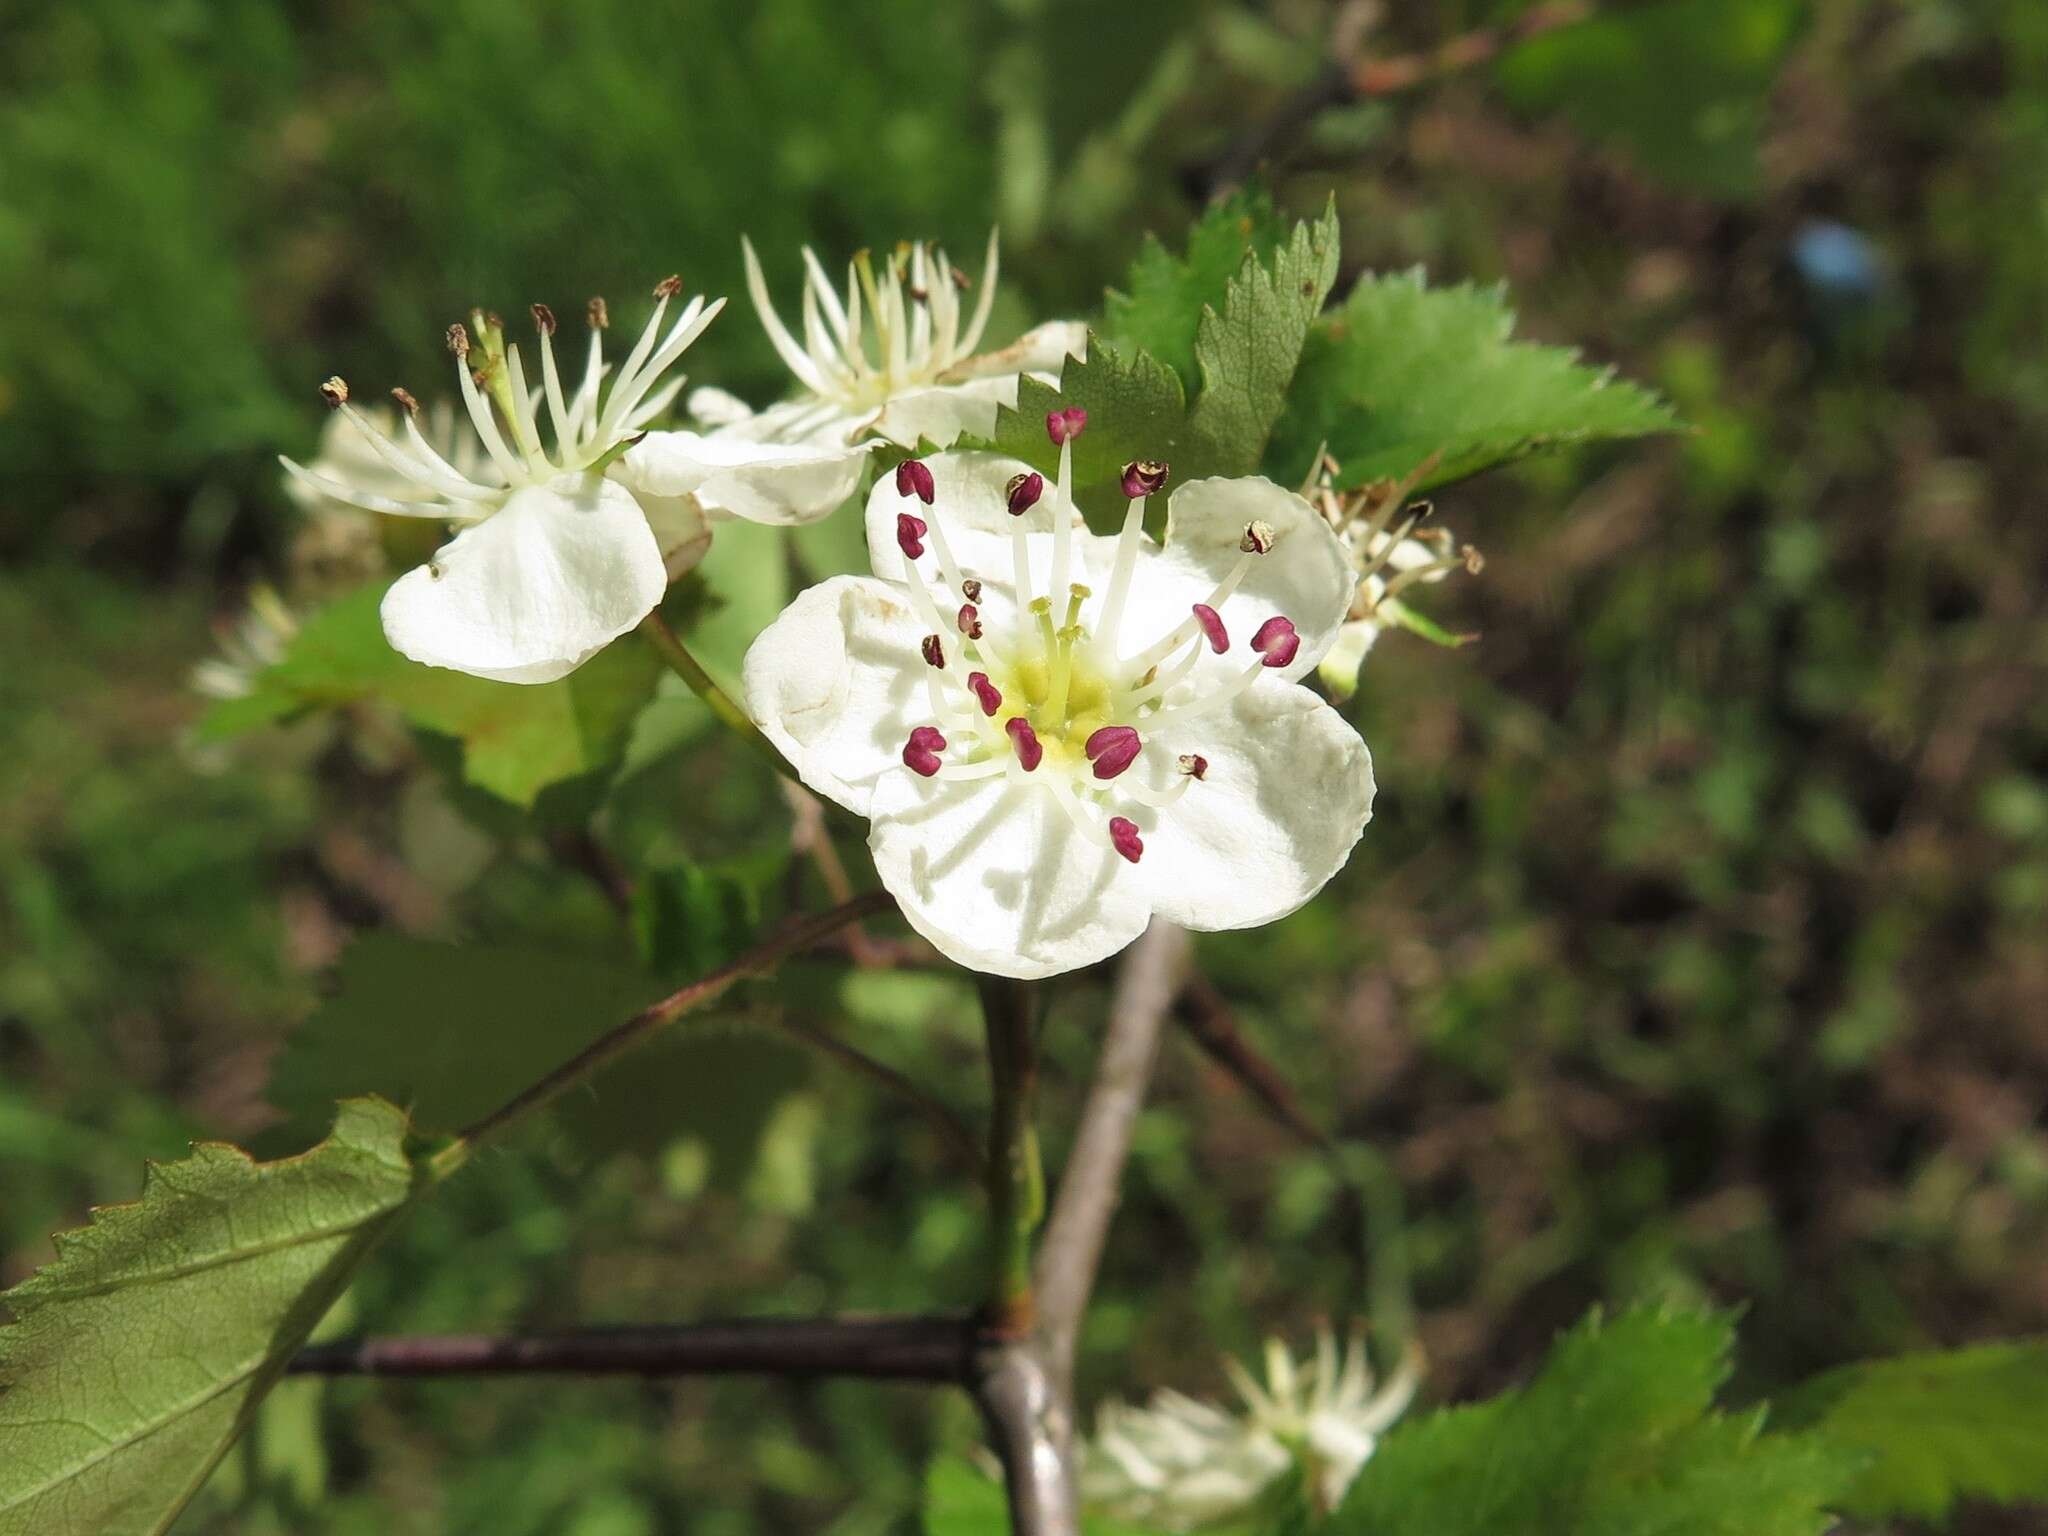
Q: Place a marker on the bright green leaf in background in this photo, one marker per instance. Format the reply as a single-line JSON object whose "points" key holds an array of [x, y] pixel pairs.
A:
{"points": [[1616, 1436], [1401, 371], [138, 1356], [1683, 86], [1161, 305], [1937, 1427], [517, 738]]}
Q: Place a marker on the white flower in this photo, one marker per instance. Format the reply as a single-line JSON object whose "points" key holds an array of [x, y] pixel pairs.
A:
{"points": [[256, 641], [1389, 559], [895, 358], [559, 550], [1178, 1464], [1056, 735]]}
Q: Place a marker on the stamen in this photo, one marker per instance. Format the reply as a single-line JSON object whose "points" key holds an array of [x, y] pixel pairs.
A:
{"points": [[1029, 753], [1023, 491], [914, 479], [1113, 749], [971, 590], [1179, 636], [1063, 518], [969, 621], [1123, 836], [1144, 477], [600, 318], [1064, 426], [921, 752], [1194, 765], [1212, 626], [1277, 641], [1258, 539], [910, 532], [934, 652], [986, 692], [1120, 575], [334, 392]]}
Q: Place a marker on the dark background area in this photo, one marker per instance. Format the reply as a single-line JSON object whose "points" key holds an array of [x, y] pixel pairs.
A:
{"points": [[1697, 949]]}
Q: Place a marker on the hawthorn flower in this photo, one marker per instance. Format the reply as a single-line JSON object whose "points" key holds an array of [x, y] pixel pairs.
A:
{"points": [[256, 640], [1055, 735], [895, 357], [1178, 1464], [561, 549], [1391, 551]]}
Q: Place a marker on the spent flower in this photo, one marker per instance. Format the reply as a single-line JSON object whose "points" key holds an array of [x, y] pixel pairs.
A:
{"points": [[1055, 735]]}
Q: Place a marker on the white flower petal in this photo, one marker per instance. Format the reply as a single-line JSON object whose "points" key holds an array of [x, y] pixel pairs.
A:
{"points": [[941, 413], [1339, 669], [835, 683], [729, 471], [998, 878], [1306, 576], [529, 595], [974, 516], [1288, 791], [680, 527], [716, 407], [1042, 349]]}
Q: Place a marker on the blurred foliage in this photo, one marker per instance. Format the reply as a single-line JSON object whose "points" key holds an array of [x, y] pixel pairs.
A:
{"points": [[1695, 952]]}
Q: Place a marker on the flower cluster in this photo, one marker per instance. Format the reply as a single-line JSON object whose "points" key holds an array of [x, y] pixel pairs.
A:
{"points": [[1056, 735], [1179, 1464]]}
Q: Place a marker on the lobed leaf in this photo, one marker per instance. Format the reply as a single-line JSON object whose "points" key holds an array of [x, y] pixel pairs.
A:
{"points": [[139, 1355], [1936, 1427], [1402, 371]]}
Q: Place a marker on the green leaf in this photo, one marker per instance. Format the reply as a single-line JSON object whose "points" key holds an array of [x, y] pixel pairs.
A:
{"points": [[1401, 371], [1165, 295], [1937, 1427], [1136, 410], [454, 1031], [517, 738], [1248, 352], [1683, 87], [1615, 1437], [143, 1351]]}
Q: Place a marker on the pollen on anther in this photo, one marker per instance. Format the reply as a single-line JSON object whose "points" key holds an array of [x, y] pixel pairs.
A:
{"points": [[971, 590], [458, 339], [1277, 641], [406, 402], [910, 532], [934, 651], [669, 286], [1029, 752], [334, 391], [597, 314], [1257, 540], [1123, 836], [921, 752], [1212, 626], [543, 319], [969, 621], [1023, 491], [1194, 765], [1144, 477], [985, 693]]}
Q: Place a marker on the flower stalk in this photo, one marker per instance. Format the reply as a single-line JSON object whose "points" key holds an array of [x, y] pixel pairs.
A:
{"points": [[1016, 1176], [669, 646]]}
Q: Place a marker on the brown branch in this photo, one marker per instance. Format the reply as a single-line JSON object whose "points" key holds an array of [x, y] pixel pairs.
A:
{"points": [[1207, 1018], [1072, 1249], [927, 1349], [1384, 76], [1030, 1428]]}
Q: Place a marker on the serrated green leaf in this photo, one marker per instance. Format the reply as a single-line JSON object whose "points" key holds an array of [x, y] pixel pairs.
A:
{"points": [[1937, 1427], [1136, 410], [1247, 352], [1683, 87], [1160, 309], [1401, 371], [517, 738], [1615, 1437], [138, 1356], [452, 1031]]}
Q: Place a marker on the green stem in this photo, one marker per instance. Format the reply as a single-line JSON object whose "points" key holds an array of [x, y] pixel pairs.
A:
{"points": [[650, 1021], [686, 666], [1016, 1178]]}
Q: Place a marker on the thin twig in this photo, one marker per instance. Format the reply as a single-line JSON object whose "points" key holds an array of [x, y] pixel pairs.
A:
{"points": [[1072, 1249], [578, 849], [951, 1128], [1206, 1016], [928, 1349], [651, 1020]]}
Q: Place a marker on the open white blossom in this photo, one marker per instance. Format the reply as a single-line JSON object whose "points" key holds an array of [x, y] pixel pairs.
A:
{"points": [[560, 548], [1391, 551], [895, 357], [1056, 735], [1178, 1464]]}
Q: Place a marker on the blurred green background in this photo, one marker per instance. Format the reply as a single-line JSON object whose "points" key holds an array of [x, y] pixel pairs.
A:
{"points": [[1697, 948]]}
